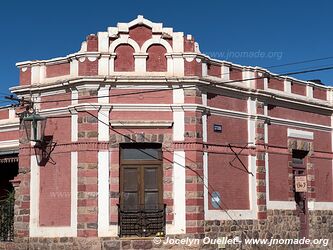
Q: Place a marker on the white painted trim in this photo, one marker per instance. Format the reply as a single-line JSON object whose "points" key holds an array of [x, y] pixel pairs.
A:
{"points": [[34, 229], [74, 127], [178, 114], [178, 94], [9, 144], [184, 107], [179, 194], [12, 114], [74, 117], [141, 124], [104, 229], [74, 67], [103, 114], [300, 134], [9, 125], [178, 125], [315, 205], [53, 92], [35, 74], [287, 86], [265, 124], [178, 42], [252, 111], [248, 74], [204, 70], [205, 172], [250, 214], [204, 118], [103, 125], [265, 83], [309, 91], [103, 42], [103, 65], [156, 40], [225, 73], [74, 191], [283, 205], [124, 39]]}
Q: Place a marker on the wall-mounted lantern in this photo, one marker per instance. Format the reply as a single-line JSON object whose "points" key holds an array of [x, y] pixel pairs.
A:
{"points": [[34, 126]]}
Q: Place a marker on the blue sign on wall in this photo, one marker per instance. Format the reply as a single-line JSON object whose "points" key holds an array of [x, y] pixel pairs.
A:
{"points": [[216, 200]]}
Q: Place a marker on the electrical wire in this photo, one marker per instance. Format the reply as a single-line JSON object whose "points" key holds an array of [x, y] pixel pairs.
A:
{"points": [[190, 86], [299, 62]]}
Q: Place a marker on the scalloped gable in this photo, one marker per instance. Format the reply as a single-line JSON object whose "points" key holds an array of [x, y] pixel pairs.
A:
{"points": [[157, 28]]}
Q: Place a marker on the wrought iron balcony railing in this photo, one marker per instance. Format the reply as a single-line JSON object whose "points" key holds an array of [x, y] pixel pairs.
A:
{"points": [[7, 219], [142, 220]]}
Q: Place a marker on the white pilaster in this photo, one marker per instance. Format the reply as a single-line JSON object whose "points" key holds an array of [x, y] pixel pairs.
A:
{"points": [[309, 91], [265, 83], [103, 42], [178, 65], [178, 115], [35, 74], [179, 181], [225, 72], [111, 62], [287, 86], [103, 114], [204, 118], [74, 67], [140, 60], [252, 111], [178, 42], [104, 228], [42, 73], [170, 68], [204, 69], [248, 74], [103, 65], [74, 117]]}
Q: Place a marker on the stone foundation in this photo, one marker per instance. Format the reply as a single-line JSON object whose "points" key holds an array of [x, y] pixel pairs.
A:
{"points": [[280, 224]]}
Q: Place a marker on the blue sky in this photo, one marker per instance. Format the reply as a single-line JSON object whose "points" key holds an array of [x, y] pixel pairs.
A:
{"points": [[275, 32]]}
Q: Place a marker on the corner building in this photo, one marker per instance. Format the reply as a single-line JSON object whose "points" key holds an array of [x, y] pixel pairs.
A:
{"points": [[151, 137]]}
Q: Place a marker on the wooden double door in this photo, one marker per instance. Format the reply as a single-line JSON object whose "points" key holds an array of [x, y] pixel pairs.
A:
{"points": [[141, 180], [141, 186]]}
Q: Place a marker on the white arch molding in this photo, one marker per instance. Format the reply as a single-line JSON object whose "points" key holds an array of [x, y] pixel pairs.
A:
{"points": [[124, 40], [155, 40]]}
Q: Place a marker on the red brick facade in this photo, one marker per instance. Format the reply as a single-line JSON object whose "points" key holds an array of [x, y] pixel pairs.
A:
{"points": [[142, 83]]}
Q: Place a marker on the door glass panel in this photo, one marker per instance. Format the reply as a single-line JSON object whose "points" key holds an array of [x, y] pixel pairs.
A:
{"points": [[151, 199], [130, 179], [150, 179], [140, 154], [130, 200]]}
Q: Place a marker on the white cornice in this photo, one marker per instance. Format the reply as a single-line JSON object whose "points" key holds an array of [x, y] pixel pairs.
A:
{"points": [[141, 124], [178, 107], [10, 144], [237, 89]]}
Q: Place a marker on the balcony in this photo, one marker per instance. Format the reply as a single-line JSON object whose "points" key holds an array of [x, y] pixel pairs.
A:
{"points": [[142, 220]]}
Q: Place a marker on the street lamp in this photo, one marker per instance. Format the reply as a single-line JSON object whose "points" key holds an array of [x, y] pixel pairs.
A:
{"points": [[34, 126]]}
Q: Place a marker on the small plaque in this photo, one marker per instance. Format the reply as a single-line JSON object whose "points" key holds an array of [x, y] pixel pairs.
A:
{"points": [[218, 128], [300, 183]]}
